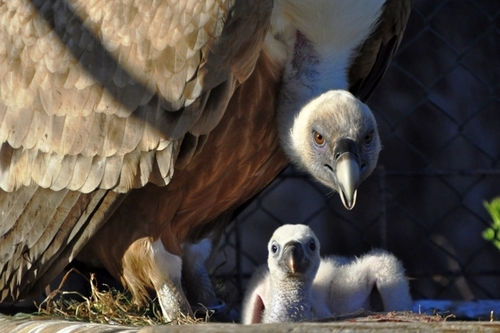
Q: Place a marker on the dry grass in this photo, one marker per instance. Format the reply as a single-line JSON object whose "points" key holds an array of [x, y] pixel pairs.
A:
{"points": [[104, 306]]}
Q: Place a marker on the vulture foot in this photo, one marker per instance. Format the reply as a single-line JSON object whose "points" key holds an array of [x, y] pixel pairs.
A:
{"points": [[168, 286], [199, 289], [197, 283], [148, 263], [173, 302]]}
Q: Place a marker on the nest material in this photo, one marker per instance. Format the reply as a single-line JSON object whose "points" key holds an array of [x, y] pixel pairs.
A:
{"points": [[109, 306]]}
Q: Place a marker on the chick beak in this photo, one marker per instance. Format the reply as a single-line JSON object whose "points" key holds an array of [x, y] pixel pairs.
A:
{"points": [[293, 257], [347, 171]]}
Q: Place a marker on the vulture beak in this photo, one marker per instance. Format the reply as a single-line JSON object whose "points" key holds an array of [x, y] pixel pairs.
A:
{"points": [[347, 171], [293, 259]]}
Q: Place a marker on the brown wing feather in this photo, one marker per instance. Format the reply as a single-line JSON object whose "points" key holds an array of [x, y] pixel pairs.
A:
{"points": [[37, 223], [378, 50], [75, 71]]}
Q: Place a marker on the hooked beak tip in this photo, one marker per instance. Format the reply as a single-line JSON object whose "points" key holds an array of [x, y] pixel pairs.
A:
{"points": [[349, 203]]}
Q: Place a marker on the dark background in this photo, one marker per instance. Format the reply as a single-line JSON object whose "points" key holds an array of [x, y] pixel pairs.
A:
{"points": [[438, 112]]}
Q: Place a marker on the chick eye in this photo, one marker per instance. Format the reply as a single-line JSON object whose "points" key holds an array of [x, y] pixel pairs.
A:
{"points": [[312, 245], [319, 138], [274, 248], [368, 138]]}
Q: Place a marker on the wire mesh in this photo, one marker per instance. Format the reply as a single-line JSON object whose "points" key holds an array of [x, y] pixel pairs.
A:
{"points": [[438, 114]]}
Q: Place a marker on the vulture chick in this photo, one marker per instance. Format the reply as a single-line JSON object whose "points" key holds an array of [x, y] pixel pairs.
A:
{"points": [[130, 128], [298, 285], [282, 290], [375, 281]]}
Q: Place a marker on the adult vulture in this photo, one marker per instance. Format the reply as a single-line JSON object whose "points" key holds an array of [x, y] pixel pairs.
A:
{"points": [[132, 127]]}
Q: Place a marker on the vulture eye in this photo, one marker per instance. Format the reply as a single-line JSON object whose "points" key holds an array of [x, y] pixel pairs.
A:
{"points": [[368, 138], [274, 248], [319, 138], [312, 245]]}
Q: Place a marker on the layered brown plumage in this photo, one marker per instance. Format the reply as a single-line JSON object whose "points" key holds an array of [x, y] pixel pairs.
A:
{"points": [[130, 121], [184, 210]]}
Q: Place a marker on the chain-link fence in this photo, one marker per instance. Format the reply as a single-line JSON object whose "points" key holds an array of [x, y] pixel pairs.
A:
{"points": [[438, 111]]}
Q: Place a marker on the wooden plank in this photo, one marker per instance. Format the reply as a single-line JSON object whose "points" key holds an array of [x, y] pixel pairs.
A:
{"points": [[28, 324]]}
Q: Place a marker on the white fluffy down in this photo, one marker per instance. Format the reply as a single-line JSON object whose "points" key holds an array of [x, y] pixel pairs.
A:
{"points": [[345, 284]]}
